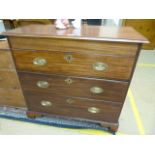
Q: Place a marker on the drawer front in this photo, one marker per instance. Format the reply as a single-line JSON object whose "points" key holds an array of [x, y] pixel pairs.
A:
{"points": [[12, 97], [6, 61], [72, 107], [90, 47], [73, 86], [9, 79], [77, 64]]}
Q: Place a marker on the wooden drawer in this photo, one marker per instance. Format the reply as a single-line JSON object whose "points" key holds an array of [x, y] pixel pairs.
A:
{"points": [[77, 64], [74, 86], [9, 79], [12, 97], [68, 45], [72, 107], [6, 61]]}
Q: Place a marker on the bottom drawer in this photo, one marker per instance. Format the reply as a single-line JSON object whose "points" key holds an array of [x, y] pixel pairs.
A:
{"points": [[12, 97], [80, 108]]}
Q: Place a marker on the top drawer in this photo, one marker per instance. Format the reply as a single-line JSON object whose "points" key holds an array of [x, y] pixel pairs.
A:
{"points": [[74, 64], [68, 45]]}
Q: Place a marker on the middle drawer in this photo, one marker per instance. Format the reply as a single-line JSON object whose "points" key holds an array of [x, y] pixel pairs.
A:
{"points": [[99, 89]]}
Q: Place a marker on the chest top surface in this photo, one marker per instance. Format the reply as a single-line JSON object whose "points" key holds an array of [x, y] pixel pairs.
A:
{"points": [[95, 33]]}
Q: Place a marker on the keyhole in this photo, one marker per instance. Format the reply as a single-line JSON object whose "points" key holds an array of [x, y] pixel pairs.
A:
{"points": [[68, 58]]}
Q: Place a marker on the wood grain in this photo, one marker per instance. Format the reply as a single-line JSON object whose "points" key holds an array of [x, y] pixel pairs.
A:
{"points": [[118, 67], [97, 33], [12, 98], [144, 26], [9, 79], [63, 45], [4, 45], [117, 47], [10, 90], [78, 109], [80, 87], [6, 62]]}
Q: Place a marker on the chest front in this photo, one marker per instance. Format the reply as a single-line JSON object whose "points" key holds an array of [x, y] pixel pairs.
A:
{"points": [[84, 78]]}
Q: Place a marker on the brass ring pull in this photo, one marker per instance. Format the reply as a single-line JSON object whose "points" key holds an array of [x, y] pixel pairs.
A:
{"points": [[68, 58], [69, 81], [96, 90], [39, 61], [93, 110], [46, 103], [70, 101], [42, 84], [100, 66]]}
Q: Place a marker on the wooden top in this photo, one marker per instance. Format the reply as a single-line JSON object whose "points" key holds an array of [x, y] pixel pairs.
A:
{"points": [[100, 33]]}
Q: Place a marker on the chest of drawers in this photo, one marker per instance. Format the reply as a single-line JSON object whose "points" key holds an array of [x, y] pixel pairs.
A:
{"points": [[75, 73]]}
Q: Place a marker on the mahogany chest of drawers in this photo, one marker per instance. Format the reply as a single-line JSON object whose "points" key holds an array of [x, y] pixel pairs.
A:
{"points": [[75, 73]]}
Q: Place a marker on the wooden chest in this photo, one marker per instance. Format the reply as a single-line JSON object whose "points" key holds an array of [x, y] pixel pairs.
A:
{"points": [[75, 73], [10, 90]]}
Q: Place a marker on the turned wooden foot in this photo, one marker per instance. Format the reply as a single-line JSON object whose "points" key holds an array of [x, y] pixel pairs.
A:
{"points": [[113, 127], [33, 115]]}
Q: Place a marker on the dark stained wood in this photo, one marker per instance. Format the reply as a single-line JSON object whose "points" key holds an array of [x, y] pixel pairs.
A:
{"points": [[113, 127], [97, 33], [80, 87], [79, 108], [81, 65], [63, 45], [8, 24], [13, 23], [10, 90], [24, 22], [117, 47]]}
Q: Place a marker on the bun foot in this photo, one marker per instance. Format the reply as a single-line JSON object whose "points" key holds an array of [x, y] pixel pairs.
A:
{"points": [[33, 115], [112, 127]]}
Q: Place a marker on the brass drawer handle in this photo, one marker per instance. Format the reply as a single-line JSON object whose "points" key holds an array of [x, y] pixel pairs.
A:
{"points": [[69, 81], [100, 66], [70, 101], [68, 58], [96, 90], [93, 110], [42, 84], [39, 61], [46, 103]]}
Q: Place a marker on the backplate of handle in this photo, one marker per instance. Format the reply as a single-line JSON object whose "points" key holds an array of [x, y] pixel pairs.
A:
{"points": [[100, 66], [42, 84], [96, 90], [39, 61], [93, 110], [46, 103]]}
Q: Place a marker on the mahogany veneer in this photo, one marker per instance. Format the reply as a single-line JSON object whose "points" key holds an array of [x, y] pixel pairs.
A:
{"points": [[75, 73]]}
